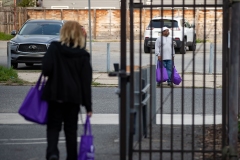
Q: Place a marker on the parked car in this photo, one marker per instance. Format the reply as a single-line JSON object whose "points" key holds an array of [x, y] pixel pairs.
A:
{"points": [[177, 26], [32, 41]]}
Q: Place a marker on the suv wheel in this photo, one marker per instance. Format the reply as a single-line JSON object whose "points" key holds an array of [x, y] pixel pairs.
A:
{"points": [[14, 65], [146, 49], [29, 64], [193, 46], [183, 49]]}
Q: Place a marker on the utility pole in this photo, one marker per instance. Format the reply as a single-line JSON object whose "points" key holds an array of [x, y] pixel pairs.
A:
{"points": [[233, 79]]}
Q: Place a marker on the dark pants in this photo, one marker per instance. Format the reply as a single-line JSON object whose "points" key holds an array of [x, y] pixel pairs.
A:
{"points": [[59, 113]]}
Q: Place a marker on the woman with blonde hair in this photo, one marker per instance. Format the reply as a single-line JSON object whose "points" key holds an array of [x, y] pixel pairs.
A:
{"points": [[67, 66]]}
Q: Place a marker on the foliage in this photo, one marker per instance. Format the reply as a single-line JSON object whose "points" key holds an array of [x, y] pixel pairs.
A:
{"points": [[4, 36], [26, 3], [199, 41], [7, 74]]}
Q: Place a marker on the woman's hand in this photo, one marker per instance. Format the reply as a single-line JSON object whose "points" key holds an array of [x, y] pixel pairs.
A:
{"points": [[159, 58]]}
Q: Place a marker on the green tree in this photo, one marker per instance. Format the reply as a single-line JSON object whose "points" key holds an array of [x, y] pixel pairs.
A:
{"points": [[26, 3]]}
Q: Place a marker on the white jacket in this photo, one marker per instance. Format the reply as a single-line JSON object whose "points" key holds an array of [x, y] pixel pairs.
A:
{"points": [[166, 46]]}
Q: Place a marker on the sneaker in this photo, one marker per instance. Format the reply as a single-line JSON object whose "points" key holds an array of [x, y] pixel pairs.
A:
{"points": [[170, 84], [53, 157]]}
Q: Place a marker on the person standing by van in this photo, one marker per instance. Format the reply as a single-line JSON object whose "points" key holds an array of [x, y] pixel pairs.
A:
{"points": [[164, 50]]}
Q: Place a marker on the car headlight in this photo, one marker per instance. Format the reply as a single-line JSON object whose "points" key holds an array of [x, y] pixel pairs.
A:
{"points": [[48, 45], [13, 43]]}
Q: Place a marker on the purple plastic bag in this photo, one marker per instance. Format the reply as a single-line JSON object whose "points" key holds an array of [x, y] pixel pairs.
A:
{"points": [[86, 150], [33, 108], [161, 77], [176, 77]]}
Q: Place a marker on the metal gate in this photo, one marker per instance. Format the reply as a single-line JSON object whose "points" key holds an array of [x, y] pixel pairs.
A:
{"points": [[189, 120]]}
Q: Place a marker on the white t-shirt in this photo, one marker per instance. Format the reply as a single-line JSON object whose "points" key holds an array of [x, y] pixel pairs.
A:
{"points": [[166, 46]]}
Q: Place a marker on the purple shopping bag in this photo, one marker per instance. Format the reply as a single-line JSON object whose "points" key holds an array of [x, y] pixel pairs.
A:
{"points": [[86, 150], [176, 77], [161, 73], [33, 108]]}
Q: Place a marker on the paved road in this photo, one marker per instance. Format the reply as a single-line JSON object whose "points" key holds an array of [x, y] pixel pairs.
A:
{"points": [[99, 57], [18, 140]]}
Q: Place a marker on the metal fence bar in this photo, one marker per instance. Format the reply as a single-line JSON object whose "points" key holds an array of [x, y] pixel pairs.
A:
{"points": [[234, 78], [123, 83], [225, 68]]}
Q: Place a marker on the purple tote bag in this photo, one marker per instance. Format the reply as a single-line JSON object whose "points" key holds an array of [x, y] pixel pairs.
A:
{"points": [[176, 77], [86, 150], [33, 108], [161, 73]]}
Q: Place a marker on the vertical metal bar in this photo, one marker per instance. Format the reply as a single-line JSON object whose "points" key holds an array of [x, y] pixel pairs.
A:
{"points": [[193, 86], [172, 86], [204, 79], [214, 81], [233, 87], [182, 102], [90, 29], [161, 102], [123, 82], [150, 92], [225, 71], [132, 82], [211, 55], [140, 84], [108, 57], [9, 55]]}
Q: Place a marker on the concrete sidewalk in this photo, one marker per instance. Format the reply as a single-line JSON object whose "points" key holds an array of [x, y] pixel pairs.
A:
{"points": [[102, 79]]}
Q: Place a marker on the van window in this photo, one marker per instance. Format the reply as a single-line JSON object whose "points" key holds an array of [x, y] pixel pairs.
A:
{"points": [[159, 23]]}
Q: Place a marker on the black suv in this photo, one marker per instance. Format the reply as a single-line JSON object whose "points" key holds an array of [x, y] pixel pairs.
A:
{"points": [[31, 42]]}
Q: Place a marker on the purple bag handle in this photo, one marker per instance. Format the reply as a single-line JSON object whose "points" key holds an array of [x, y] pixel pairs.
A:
{"points": [[39, 81], [87, 126]]}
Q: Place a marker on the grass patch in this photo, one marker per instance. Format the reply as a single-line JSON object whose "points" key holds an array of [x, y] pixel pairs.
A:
{"points": [[9, 76], [95, 83], [4, 36]]}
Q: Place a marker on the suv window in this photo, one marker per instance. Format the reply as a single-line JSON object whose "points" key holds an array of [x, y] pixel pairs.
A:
{"points": [[159, 23], [41, 29]]}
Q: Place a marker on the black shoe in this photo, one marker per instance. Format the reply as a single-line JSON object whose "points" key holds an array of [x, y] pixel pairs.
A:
{"points": [[53, 157], [158, 84], [170, 84]]}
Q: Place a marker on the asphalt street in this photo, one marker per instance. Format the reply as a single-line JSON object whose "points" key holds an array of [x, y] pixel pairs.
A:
{"points": [[27, 141]]}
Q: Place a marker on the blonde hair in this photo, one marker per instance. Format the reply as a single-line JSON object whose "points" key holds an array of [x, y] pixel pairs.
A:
{"points": [[71, 32]]}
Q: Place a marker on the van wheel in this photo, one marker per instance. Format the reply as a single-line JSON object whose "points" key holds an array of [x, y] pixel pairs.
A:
{"points": [[183, 49], [146, 49], [193, 46]]}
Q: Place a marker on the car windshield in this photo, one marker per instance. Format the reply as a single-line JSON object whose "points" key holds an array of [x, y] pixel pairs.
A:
{"points": [[41, 29], [159, 23]]}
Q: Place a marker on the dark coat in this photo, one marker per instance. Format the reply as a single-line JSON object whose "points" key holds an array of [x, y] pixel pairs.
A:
{"points": [[69, 75]]}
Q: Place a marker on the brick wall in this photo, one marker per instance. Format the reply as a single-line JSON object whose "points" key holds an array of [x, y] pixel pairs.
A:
{"points": [[106, 23]]}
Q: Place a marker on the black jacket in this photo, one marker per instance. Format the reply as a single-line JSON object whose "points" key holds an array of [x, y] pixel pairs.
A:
{"points": [[69, 75]]}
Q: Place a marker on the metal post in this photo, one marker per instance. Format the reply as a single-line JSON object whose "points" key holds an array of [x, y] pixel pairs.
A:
{"points": [[211, 59], [90, 29], [8, 55], [108, 57], [233, 79]]}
